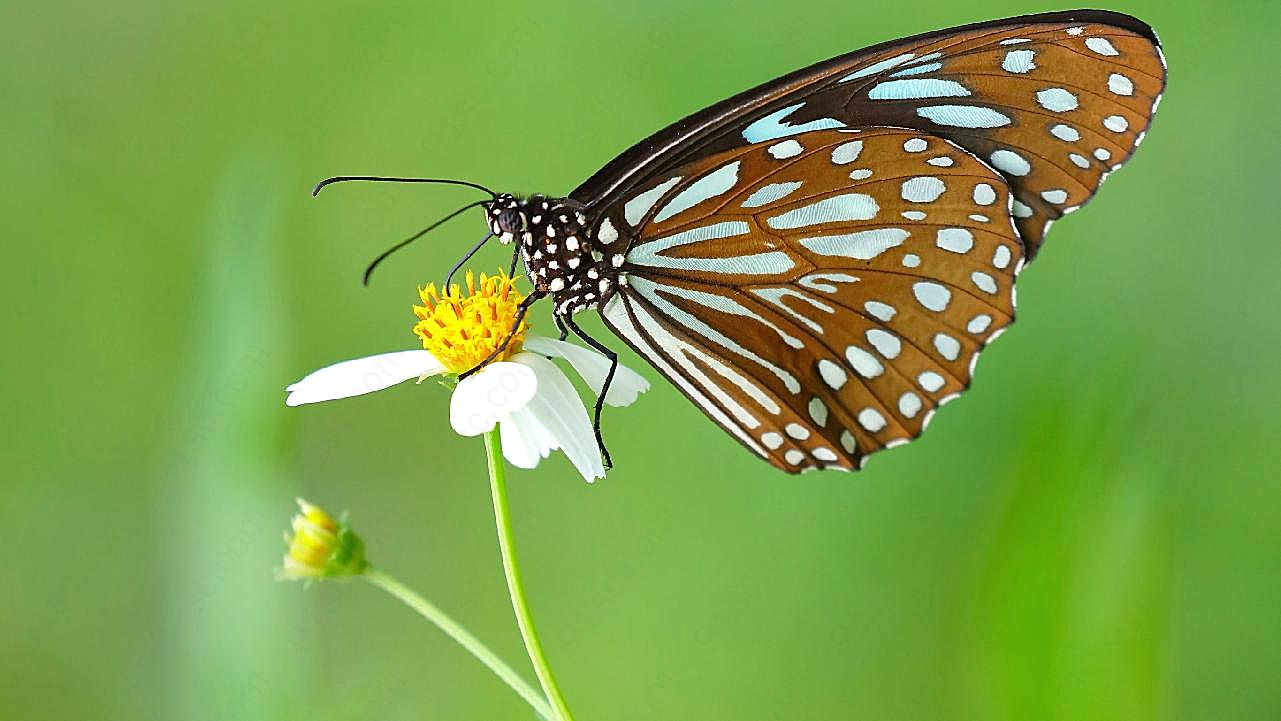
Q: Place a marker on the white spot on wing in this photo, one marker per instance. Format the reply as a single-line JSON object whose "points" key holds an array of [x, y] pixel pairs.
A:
{"points": [[916, 70], [817, 413], [878, 67], [797, 431], [979, 323], [870, 419], [909, 404], [1001, 257], [1102, 46], [1018, 61], [984, 194], [983, 281], [863, 363], [1065, 132], [607, 233], [1116, 123], [881, 311], [917, 88], [947, 346], [717, 182], [787, 149], [963, 116], [886, 343], [1008, 161], [861, 245], [839, 208], [773, 125], [637, 207], [767, 194], [1057, 100], [824, 281], [847, 152], [930, 381], [924, 189], [956, 240], [1120, 85], [832, 374], [932, 296]]}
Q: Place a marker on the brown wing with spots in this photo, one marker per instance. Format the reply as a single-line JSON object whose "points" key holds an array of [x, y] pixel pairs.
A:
{"points": [[820, 296], [1054, 108], [1054, 101]]}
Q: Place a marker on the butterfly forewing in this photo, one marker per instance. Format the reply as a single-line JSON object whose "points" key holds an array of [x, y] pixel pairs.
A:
{"points": [[1053, 108], [820, 295], [1054, 102]]}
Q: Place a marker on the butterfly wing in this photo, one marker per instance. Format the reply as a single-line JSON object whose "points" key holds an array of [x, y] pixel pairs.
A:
{"points": [[820, 296], [1054, 102]]}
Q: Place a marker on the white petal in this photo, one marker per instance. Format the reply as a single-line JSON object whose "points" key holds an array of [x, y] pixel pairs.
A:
{"points": [[363, 375], [593, 367], [558, 410], [525, 440], [494, 391]]}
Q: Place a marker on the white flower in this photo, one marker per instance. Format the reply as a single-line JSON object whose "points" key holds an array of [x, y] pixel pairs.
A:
{"points": [[530, 399]]}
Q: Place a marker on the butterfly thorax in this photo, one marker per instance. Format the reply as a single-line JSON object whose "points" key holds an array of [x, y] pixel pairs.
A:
{"points": [[559, 255]]}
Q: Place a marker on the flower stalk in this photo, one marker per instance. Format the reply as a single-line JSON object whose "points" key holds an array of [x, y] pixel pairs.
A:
{"points": [[515, 587], [429, 611]]}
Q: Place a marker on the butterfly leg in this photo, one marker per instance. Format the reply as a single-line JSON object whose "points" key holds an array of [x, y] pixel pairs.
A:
{"points": [[449, 278], [560, 323], [521, 310], [609, 379], [511, 272]]}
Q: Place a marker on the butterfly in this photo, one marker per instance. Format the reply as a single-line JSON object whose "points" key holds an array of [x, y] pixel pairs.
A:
{"points": [[817, 262]]}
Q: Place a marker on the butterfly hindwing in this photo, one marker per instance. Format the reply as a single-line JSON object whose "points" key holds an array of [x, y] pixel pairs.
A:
{"points": [[819, 296]]}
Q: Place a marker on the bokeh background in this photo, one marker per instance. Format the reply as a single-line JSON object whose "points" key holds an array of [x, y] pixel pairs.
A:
{"points": [[1094, 532]]}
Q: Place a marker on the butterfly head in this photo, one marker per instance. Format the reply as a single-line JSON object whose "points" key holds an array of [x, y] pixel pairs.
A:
{"points": [[505, 217]]}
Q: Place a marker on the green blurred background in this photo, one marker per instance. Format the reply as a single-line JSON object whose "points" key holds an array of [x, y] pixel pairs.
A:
{"points": [[1094, 532]]}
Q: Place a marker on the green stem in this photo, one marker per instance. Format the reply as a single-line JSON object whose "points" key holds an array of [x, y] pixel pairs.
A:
{"points": [[429, 611], [507, 544]]}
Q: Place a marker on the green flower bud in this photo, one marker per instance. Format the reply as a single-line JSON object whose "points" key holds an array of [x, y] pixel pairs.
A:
{"points": [[321, 547]]}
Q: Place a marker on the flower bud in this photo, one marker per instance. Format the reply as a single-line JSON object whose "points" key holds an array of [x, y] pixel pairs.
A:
{"points": [[321, 547]]}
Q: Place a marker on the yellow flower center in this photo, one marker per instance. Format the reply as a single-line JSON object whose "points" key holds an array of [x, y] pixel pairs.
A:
{"points": [[463, 329]]}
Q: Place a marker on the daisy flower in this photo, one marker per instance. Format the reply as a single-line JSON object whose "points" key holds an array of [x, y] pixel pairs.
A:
{"points": [[530, 399]]}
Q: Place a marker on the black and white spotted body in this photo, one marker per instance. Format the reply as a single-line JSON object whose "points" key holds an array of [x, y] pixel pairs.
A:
{"points": [[561, 258]]}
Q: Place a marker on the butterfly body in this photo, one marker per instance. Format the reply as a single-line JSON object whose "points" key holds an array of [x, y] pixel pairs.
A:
{"points": [[578, 270], [817, 262]]}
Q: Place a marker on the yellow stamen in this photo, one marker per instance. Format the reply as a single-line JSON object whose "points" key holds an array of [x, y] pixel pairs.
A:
{"points": [[463, 329]]}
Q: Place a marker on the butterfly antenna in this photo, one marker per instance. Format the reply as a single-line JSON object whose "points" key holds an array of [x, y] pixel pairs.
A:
{"points": [[383, 256], [386, 179]]}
